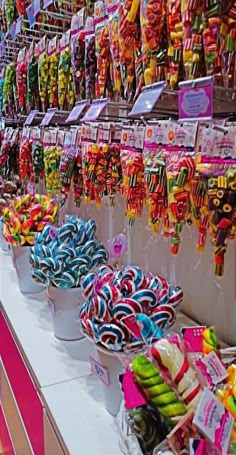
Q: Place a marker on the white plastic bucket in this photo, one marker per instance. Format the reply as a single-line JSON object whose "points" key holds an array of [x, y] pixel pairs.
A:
{"points": [[24, 272], [3, 243], [64, 305], [112, 392]]}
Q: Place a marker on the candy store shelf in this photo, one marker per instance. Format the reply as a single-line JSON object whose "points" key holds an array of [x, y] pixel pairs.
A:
{"points": [[61, 370]]}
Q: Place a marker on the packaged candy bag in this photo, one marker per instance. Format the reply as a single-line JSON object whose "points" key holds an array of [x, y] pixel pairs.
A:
{"points": [[63, 69], [52, 156], [103, 56], [67, 162], [53, 60], [37, 155], [113, 23], [175, 36], [8, 90], [33, 100], [43, 72], [25, 157], [90, 62], [78, 55], [21, 79], [1, 89], [193, 56]]}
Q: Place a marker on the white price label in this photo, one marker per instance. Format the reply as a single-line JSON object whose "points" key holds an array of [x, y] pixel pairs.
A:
{"points": [[100, 371]]}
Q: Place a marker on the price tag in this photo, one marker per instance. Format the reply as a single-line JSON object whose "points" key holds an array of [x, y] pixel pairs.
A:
{"points": [[48, 117], [95, 110], [30, 118], [77, 111], [100, 371], [196, 102], [31, 16], [147, 99], [212, 369], [19, 25], [51, 307]]}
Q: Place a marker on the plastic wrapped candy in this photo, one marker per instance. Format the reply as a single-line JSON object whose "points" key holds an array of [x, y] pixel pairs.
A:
{"points": [[27, 215], [90, 66], [67, 162], [103, 56], [43, 72], [151, 18], [175, 36], [25, 157], [193, 56], [78, 178], [63, 69], [10, 12], [37, 155], [21, 79], [1, 90], [10, 76], [78, 55], [115, 52], [33, 101], [53, 59], [52, 155], [211, 35]]}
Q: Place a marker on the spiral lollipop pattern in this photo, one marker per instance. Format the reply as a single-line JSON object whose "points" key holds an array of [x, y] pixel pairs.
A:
{"points": [[63, 257], [112, 295]]}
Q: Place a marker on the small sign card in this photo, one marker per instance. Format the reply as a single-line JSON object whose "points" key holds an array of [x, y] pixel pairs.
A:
{"points": [[77, 111], [100, 371], [48, 117], [195, 99], [192, 337], [30, 118], [212, 369], [30, 16], [213, 421], [147, 99], [95, 110]]}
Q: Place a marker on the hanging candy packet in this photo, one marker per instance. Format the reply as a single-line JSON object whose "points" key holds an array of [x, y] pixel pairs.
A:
{"points": [[5, 151], [67, 162], [43, 72], [52, 155], [37, 155], [2, 74], [133, 171], [113, 22], [77, 171], [174, 36], [33, 100], [211, 43], [91, 153], [155, 174], [102, 46], [193, 56], [90, 60], [53, 60], [8, 91], [128, 14], [9, 12], [25, 156], [63, 68], [78, 54], [151, 20], [21, 79]]}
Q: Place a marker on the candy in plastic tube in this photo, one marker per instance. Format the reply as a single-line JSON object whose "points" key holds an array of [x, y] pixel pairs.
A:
{"points": [[174, 36], [169, 356], [33, 100], [90, 66], [78, 65], [63, 69], [158, 391], [21, 79], [53, 60], [115, 52], [43, 72]]}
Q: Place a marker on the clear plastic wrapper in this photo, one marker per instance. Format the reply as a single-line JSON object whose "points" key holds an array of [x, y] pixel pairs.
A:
{"points": [[90, 66], [52, 155], [43, 72], [25, 157], [78, 55], [174, 36], [21, 79], [103, 56], [33, 100], [53, 60], [115, 52], [193, 56], [67, 162], [37, 155], [64, 69], [1, 90], [8, 90]]}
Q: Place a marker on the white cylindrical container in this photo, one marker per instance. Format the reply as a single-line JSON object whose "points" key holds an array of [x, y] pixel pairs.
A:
{"points": [[24, 272], [112, 391], [3, 243], [64, 305]]}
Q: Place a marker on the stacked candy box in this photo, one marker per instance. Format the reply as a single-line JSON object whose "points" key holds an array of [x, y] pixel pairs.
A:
{"points": [[124, 311], [180, 405], [60, 258]]}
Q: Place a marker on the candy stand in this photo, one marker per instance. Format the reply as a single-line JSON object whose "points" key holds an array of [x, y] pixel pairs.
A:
{"points": [[117, 227]]}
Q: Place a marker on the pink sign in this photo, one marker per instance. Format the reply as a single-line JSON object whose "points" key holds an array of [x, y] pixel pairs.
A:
{"points": [[196, 103]]}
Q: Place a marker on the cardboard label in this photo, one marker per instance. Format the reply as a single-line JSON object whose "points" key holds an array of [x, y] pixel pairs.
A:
{"points": [[196, 103], [197, 446], [213, 421], [100, 371], [95, 110], [212, 369], [192, 337]]}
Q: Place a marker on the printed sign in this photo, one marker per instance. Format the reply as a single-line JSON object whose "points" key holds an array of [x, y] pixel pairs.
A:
{"points": [[212, 369], [100, 371], [30, 118], [213, 421], [195, 103], [31, 16], [48, 117]]}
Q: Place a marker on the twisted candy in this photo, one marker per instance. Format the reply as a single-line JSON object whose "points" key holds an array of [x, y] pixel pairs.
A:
{"points": [[61, 257], [169, 356], [160, 394]]}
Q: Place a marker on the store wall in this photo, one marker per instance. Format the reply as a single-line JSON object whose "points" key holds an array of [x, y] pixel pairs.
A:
{"points": [[207, 299]]}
